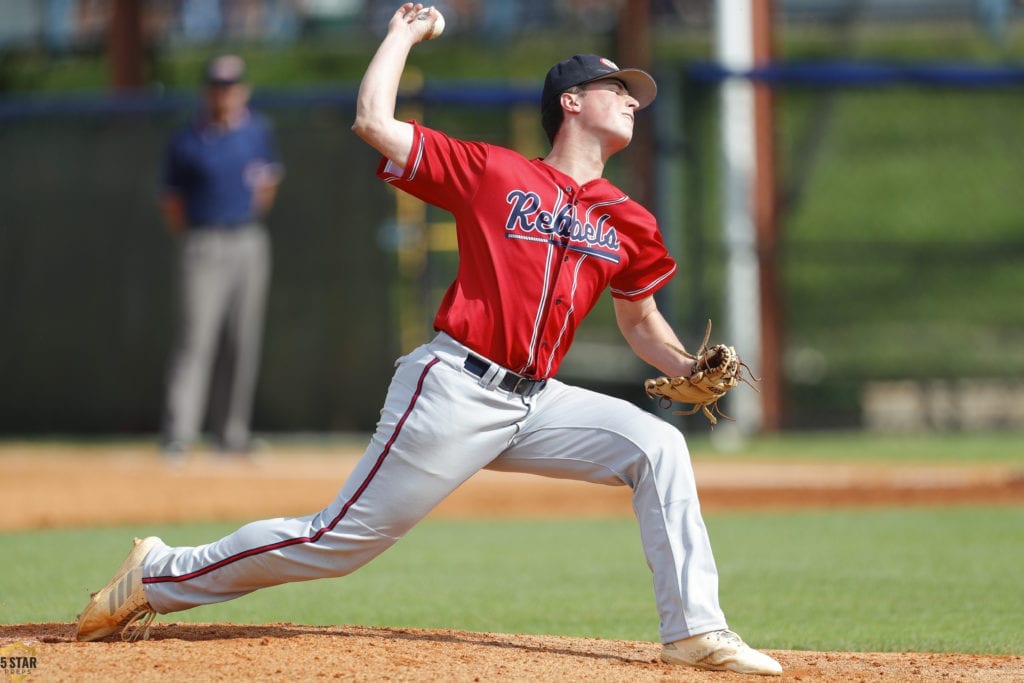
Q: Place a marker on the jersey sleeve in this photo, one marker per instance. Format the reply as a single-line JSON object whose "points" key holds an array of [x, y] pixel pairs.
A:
{"points": [[650, 266], [441, 170]]}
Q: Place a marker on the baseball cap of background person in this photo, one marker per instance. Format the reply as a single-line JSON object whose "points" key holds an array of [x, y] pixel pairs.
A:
{"points": [[224, 70], [581, 69]]}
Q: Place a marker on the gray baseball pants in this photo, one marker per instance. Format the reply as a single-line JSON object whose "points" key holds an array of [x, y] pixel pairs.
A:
{"points": [[223, 278], [440, 424]]}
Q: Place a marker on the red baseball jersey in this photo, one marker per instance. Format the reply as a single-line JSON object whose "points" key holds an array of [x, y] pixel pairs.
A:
{"points": [[536, 249]]}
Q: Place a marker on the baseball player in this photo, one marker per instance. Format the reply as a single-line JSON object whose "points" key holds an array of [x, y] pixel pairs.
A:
{"points": [[539, 241]]}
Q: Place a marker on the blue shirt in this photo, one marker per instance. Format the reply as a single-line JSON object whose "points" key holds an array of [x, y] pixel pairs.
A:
{"points": [[217, 170]]}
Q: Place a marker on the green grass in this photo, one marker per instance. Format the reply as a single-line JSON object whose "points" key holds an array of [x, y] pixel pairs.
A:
{"points": [[939, 580], [999, 447], [944, 580], [855, 446]]}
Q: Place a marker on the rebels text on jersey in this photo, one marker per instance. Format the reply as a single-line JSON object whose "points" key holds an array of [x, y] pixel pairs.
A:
{"points": [[536, 250]]}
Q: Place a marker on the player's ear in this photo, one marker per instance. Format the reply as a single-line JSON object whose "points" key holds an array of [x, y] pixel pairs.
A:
{"points": [[570, 101]]}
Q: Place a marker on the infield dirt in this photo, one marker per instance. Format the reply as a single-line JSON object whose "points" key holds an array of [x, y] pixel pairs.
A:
{"points": [[60, 486]]}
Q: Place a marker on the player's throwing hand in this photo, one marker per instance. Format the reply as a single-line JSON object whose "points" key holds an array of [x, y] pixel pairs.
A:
{"points": [[419, 22]]}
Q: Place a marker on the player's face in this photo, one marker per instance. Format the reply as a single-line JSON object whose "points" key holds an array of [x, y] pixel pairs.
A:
{"points": [[226, 103], [609, 108]]}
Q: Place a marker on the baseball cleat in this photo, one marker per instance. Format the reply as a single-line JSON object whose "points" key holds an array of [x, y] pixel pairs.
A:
{"points": [[121, 605], [720, 651]]}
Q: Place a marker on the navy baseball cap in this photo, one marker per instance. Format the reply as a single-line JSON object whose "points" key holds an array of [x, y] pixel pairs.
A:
{"points": [[581, 69], [224, 70]]}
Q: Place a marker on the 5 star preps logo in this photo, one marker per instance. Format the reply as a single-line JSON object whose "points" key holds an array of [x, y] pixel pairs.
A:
{"points": [[17, 661]]}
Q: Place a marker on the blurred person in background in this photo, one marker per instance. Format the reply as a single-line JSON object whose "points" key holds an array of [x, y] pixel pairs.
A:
{"points": [[220, 178]]}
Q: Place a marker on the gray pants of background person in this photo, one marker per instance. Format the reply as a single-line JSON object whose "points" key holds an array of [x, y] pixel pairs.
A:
{"points": [[222, 288]]}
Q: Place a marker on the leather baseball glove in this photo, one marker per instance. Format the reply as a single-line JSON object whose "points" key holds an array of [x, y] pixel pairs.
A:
{"points": [[718, 370]]}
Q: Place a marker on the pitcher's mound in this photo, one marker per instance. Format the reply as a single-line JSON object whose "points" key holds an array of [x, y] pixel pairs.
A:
{"points": [[290, 652]]}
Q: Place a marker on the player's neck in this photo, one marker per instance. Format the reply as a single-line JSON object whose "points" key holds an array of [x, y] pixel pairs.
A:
{"points": [[226, 119], [580, 164]]}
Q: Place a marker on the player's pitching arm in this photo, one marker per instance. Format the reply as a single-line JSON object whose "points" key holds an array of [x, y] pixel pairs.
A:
{"points": [[375, 105], [651, 337]]}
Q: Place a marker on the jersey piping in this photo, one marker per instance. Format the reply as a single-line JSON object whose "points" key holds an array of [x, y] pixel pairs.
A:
{"points": [[651, 287], [545, 294], [568, 314]]}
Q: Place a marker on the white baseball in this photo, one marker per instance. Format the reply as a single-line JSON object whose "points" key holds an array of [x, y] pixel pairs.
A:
{"points": [[438, 26]]}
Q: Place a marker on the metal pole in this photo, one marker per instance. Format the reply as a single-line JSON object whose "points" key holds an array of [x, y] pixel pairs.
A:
{"points": [[734, 48]]}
